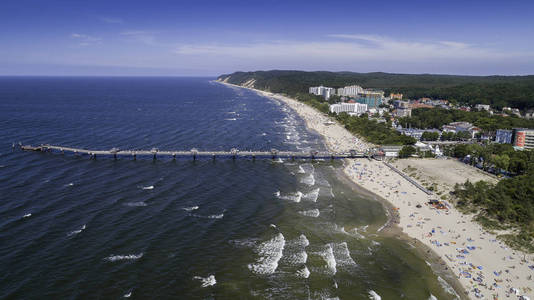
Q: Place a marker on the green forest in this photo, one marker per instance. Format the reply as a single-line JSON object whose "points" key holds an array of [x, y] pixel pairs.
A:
{"points": [[498, 91], [437, 117], [509, 203]]}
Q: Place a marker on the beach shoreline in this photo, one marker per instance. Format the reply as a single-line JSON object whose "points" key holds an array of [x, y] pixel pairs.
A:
{"points": [[476, 262]]}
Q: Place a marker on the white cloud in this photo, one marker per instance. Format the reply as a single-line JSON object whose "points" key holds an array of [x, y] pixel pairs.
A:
{"points": [[85, 40], [352, 47], [142, 36]]}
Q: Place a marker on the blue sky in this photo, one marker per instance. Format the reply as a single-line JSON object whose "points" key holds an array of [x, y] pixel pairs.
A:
{"points": [[206, 38]]}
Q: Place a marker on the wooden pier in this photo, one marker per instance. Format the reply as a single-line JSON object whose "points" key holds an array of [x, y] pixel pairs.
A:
{"points": [[194, 153]]}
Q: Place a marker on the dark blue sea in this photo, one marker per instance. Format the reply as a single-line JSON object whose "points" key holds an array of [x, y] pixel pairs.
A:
{"points": [[76, 228]]}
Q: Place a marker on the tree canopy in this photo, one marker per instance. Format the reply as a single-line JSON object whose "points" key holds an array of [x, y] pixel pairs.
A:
{"points": [[498, 91]]}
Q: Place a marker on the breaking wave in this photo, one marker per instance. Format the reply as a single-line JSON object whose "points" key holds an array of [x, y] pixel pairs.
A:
{"points": [[206, 281], [219, 216], [304, 272], [328, 255], [190, 208], [76, 231], [314, 213], [308, 180], [270, 253], [312, 196], [447, 287], [114, 258], [295, 197], [374, 296]]}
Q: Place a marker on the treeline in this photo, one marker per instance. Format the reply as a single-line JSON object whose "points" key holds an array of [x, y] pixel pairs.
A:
{"points": [[495, 157], [508, 203], [379, 133], [498, 91], [437, 117]]}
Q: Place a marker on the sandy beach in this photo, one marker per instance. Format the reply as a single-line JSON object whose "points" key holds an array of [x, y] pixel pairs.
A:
{"points": [[485, 267]]}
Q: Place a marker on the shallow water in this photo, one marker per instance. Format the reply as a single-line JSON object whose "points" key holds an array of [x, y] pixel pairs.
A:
{"points": [[78, 228]]}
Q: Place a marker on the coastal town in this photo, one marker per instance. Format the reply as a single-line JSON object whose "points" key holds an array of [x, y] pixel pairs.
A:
{"points": [[356, 101], [419, 189]]}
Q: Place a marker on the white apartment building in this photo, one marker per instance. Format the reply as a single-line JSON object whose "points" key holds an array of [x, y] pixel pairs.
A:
{"points": [[350, 91], [482, 107], [326, 92], [351, 108]]}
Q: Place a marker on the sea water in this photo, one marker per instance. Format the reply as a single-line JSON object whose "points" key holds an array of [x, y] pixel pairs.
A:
{"points": [[72, 227]]}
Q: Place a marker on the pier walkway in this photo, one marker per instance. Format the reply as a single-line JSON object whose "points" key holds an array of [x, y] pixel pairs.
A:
{"points": [[194, 153], [415, 183]]}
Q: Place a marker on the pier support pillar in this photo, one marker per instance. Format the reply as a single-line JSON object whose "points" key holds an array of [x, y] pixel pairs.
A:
{"points": [[115, 156], [253, 157], [154, 158], [213, 157], [134, 156], [194, 157], [174, 156]]}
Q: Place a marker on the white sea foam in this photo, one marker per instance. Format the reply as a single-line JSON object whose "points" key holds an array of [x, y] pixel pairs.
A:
{"points": [[332, 193], [447, 287], [231, 119], [244, 243], [432, 297], [328, 255], [219, 216], [308, 180], [295, 251], [272, 225], [270, 253], [206, 281], [312, 196], [76, 231], [150, 187], [114, 258], [314, 213], [374, 296], [127, 295], [295, 197], [278, 161], [190, 208], [352, 232], [136, 204], [303, 241], [301, 170], [27, 216], [342, 254], [383, 226], [295, 258], [70, 184], [304, 272]]}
